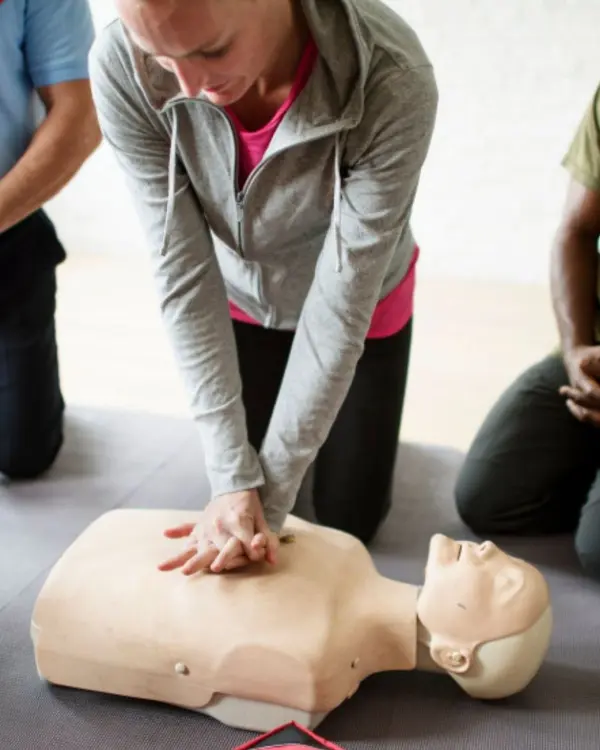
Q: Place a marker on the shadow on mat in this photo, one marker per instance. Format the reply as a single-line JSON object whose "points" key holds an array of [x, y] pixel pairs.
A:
{"points": [[423, 499], [577, 693], [416, 705]]}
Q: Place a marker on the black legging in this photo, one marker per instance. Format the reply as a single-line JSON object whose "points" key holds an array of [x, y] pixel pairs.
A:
{"points": [[31, 402], [353, 471]]}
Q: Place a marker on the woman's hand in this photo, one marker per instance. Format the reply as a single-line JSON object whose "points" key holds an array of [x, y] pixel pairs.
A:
{"points": [[232, 533]]}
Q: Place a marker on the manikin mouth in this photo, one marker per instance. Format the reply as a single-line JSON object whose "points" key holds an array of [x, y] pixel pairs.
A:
{"points": [[460, 548]]}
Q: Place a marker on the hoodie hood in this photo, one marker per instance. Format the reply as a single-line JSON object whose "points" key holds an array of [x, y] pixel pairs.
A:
{"points": [[332, 23]]}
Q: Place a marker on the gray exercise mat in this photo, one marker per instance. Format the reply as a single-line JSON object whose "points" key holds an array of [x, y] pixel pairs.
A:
{"points": [[130, 460]]}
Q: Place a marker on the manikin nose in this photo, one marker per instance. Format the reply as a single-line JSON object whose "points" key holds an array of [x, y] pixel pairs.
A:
{"points": [[485, 550]]}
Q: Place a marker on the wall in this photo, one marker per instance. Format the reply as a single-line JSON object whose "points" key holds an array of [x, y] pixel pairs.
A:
{"points": [[514, 78]]}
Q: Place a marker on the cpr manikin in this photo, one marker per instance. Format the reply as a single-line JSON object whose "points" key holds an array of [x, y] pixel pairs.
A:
{"points": [[266, 644]]}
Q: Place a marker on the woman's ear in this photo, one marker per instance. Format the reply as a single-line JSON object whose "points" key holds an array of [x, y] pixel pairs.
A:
{"points": [[457, 659]]}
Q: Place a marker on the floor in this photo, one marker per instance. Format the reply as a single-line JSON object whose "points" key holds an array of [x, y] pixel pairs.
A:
{"points": [[470, 340]]}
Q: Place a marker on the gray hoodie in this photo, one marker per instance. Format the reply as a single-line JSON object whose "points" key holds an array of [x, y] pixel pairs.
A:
{"points": [[318, 235]]}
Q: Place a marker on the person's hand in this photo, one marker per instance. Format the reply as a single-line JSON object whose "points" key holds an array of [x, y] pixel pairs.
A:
{"points": [[583, 393], [232, 533]]}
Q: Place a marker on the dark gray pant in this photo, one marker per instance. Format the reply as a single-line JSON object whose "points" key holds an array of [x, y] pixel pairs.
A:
{"points": [[533, 468], [31, 403]]}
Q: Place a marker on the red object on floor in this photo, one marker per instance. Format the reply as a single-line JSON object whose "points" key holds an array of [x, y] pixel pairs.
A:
{"points": [[290, 736]]}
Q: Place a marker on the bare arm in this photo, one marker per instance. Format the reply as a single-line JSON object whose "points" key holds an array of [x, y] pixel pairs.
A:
{"points": [[63, 142], [574, 267]]}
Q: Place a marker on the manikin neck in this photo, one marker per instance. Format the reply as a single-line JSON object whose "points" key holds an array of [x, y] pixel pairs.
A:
{"points": [[401, 641], [391, 609], [424, 660]]}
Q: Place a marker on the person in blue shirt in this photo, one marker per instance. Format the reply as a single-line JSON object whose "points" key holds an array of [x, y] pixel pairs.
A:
{"points": [[48, 128]]}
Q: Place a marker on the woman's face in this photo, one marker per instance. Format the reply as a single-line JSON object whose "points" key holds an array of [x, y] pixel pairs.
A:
{"points": [[218, 47]]}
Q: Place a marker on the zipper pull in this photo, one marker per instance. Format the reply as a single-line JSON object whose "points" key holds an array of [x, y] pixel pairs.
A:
{"points": [[239, 203]]}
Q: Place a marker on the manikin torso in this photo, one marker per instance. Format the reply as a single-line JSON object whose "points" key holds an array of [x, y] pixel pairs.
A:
{"points": [[186, 640], [254, 648]]}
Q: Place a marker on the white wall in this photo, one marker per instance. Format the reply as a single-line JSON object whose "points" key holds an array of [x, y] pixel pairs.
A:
{"points": [[514, 79]]}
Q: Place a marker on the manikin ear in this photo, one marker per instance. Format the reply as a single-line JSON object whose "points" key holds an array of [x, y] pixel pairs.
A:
{"points": [[451, 658]]}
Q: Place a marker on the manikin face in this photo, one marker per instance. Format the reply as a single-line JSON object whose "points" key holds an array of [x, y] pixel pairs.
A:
{"points": [[474, 593], [216, 47]]}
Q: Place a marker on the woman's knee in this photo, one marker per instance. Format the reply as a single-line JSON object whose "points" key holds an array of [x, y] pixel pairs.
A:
{"points": [[363, 529], [360, 519]]}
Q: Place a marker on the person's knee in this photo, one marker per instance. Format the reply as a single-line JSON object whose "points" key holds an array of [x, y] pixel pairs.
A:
{"points": [[588, 551], [29, 454], [474, 495]]}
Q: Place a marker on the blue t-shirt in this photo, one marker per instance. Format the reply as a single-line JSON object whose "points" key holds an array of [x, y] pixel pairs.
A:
{"points": [[42, 42]]}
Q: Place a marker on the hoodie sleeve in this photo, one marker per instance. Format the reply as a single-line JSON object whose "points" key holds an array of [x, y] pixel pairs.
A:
{"points": [[370, 214], [190, 287]]}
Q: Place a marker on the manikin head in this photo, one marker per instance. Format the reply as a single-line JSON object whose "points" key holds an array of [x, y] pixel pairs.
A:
{"points": [[486, 616], [218, 48]]}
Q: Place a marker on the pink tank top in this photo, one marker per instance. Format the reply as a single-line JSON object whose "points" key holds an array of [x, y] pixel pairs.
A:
{"points": [[394, 311]]}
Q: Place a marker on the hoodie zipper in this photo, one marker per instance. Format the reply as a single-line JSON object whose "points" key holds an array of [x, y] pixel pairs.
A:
{"points": [[240, 195], [239, 207]]}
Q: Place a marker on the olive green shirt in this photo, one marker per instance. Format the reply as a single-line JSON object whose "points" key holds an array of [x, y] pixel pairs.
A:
{"points": [[582, 161]]}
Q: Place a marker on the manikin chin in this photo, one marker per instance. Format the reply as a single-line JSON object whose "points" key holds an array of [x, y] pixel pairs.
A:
{"points": [[264, 645]]}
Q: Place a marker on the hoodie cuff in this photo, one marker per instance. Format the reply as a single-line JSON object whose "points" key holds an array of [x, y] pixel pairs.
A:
{"points": [[279, 494], [275, 516], [231, 466]]}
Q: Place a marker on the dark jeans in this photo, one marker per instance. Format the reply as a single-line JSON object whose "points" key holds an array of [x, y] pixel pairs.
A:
{"points": [[31, 403], [354, 469], [533, 468]]}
